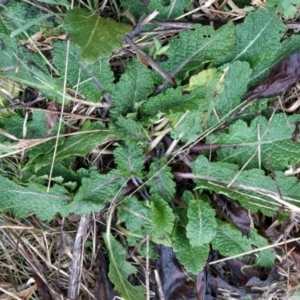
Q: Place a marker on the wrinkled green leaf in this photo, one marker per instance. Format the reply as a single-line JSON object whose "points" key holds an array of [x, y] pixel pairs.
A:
{"points": [[209, 92], [180, 108], [120, 269], [253, 189], [201, 227], [162, 219], [96, 37], [206, 87], [199, 46], [161, 180], [261, 29], [266, 30], [229, 241], [234, 90], [32, 199], [190, 114], [265, 141], [129, 130], [167, 101], [95, 191], [134, 86], [193, 258], [130, 160], [136, 216]]}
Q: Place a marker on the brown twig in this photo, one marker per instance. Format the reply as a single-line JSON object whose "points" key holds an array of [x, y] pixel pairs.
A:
{"points": [[97, 82], [173, 24], [183, 156], [149, 61], [78, 254], [212, 147], [163, 31]]}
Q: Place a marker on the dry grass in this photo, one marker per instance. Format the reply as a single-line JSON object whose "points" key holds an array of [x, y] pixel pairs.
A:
{"points": [[31, 249], [61, 257]]}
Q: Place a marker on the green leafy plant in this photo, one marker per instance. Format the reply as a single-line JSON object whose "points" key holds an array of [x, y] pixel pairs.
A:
{"points": [[159, 49], [120, 269], [146, 141]]}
